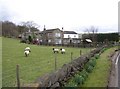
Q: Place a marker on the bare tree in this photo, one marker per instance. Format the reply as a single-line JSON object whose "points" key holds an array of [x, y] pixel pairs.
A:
{"points": [[92, 33], [31, 25]]}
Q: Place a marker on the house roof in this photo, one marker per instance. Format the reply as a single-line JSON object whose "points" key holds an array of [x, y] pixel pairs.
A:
{"points": [[88, 40], [69, 32], [51, 30]]}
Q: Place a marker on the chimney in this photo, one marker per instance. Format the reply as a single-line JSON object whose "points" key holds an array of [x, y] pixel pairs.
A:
{"points": [[44, 28]]}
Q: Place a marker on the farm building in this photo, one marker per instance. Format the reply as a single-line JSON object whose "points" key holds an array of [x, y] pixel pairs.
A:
{"points": [[57, 36], [71, 37], [52, 36]]}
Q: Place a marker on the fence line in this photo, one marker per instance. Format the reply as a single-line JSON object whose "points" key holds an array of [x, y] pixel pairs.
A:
{"points": [[36, 62], [31, 67], [47, 64], [23, 67]]}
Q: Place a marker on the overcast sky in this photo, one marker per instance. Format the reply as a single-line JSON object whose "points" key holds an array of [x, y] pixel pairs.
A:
{"points": [[74, 15]]}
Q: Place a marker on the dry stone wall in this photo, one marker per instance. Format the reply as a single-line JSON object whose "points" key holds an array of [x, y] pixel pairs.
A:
{"points": [[57, 78]]}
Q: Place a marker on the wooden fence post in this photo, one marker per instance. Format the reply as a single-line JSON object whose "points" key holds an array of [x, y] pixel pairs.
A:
{"points": [[17, 75]]}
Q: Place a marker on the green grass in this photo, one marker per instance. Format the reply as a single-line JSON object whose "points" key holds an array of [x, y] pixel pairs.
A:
{"points": [[39, 62], [99, 75]]}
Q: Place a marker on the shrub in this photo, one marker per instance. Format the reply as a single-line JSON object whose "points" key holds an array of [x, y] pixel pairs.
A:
{"points": [[23, 41], [103, 50], [30, 39], [79, 79], [93, 58], [84, 74], [89, 69], [97, 56], [92, 63], [71, 84]]}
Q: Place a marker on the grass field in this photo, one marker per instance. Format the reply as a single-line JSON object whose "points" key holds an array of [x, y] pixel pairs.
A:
{"points": [[99, 76], [39, 62]]}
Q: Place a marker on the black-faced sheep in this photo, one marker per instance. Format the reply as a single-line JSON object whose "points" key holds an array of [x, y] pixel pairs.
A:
{"points": [[27, 51], [62, 51], [55, 50]]}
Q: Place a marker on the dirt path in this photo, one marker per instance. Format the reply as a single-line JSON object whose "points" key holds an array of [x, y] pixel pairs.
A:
{"points": [[113, 79]]}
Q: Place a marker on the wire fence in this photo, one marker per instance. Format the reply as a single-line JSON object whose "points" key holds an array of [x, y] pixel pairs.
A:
{"points": [[28, 73]]}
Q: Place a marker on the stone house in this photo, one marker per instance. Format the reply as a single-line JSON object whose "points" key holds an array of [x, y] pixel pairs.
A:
{"points": [[52, 36]]}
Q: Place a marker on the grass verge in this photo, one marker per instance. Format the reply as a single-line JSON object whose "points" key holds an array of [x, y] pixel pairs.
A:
{"points": [[99, 76]]}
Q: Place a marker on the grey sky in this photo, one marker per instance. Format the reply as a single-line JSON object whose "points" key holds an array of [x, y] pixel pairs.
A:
{"points": [[74, 15]]}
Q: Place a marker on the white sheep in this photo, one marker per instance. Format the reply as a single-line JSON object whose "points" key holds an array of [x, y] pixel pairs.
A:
{"points": [[27, 48], [55, 50], [27, 51], [62, 51]]}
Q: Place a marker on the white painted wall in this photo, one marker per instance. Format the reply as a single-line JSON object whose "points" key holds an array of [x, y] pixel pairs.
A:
{"points": [[71, 36]]}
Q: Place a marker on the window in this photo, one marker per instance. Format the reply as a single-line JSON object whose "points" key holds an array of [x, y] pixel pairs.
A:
{"points": [[49, 41], [57, 34], [50, 34], [58, 41], [68, 36]]}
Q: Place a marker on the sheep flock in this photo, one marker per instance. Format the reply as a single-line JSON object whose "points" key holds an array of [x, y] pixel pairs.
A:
{"points": [[27, 51], [56, 50]]}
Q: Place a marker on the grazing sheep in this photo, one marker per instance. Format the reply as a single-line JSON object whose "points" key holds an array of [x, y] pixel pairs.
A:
{"points": [[27, 48], [27, 51], [62, 51], [55, 50]]}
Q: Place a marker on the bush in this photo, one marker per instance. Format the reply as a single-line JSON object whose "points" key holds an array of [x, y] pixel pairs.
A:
{"points": [[103, 50], [79, 79], [71, 84], [93, 58], [23, 41], [84, 74], [30, 39], [97, 56], [89, 69], [92, 62]]}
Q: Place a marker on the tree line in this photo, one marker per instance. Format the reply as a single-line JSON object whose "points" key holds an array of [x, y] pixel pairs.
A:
{"points": [[10, 29], [102, 37]]}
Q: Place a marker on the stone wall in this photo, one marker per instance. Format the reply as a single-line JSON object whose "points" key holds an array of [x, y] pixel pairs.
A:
{"points": [[59, 77]]}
